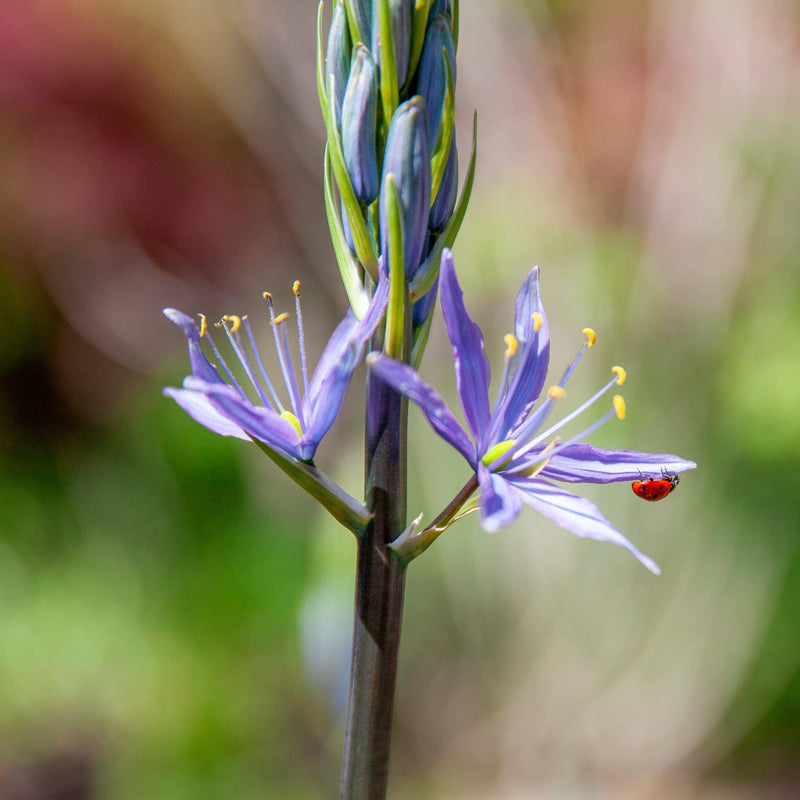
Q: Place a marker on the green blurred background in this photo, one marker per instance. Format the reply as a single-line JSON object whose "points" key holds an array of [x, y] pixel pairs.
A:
{"points": [[175, 615]]}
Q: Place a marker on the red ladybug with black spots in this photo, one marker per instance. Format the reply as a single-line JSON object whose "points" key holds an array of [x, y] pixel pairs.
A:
{"points": [[652, 489]]}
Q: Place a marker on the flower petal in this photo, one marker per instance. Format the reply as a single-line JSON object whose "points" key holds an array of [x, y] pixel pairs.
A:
{"points": [[528, 370], [257, 421], [329, 383], [472, 366], [577, 514], [198, 407], [582, 463], [405, 380], [500, 503], [201, 367]]}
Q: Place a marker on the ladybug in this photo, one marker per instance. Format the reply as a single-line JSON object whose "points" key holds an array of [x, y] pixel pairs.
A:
{"points": [[652, 489]]}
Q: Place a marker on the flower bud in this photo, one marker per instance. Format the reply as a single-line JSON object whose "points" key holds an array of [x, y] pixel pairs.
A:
{"points": [[363, 13], [401, 13], [359, 117], [432, 76], [440, 7], [337, 61], [406, 158], [445, 201]]}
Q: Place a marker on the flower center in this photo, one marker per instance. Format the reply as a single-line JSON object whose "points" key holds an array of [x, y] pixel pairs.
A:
{"points": [[496, 451], [287, 415]]}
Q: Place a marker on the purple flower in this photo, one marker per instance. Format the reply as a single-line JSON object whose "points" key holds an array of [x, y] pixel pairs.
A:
{"points": [[223, 405], [514, 458]]}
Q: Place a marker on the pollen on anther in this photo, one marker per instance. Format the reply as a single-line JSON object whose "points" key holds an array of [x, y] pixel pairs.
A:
{"points": [[267, 296], [203, 325], [619, 406], [296, 288], [537, 321], [511, 345], [280, 318], [621, 374], [556, 392], [236, 322], [591, 336]]}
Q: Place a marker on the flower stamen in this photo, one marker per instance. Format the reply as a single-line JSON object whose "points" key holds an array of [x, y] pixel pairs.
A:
{"points": [[285, 356], [566, 420], [300, 335], [511, 345], [220, 360], [231, 323], [262, 369], [591, 336]]}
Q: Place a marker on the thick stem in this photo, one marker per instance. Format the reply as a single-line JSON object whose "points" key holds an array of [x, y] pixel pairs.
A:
{"points": [[380, 585]]}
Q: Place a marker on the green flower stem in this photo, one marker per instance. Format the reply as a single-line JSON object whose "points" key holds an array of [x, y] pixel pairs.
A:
{"points": [[380, 587], [417, 544]]}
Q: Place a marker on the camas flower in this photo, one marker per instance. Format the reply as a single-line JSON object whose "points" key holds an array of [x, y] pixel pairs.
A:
{"points": [[515, 461], [223, 405]]}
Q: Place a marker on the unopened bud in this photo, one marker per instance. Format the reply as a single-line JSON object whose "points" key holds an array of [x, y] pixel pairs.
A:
{"points": [[445, 201], [337, 62], [359, 116], [406, 159], [440, 7], [432, 76], [363, 14]]}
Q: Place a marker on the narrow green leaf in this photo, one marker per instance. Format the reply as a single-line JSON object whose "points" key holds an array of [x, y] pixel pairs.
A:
{"points": [[395, 321], [361, 241], [426, 275], [388, 65], [323, 98], [455, 23], [349, 267]]}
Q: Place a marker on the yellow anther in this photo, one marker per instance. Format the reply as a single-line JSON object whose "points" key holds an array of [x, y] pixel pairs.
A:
{"points": [[267, 296], [281, 318], [236, 322], [497, 450], [556, 392], [203, 325], [619, 406], [289, 417], [591, 336], [511, 345], [296, 288], [537, 321], [620, 373]]}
